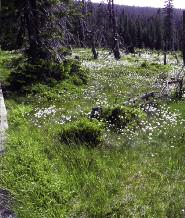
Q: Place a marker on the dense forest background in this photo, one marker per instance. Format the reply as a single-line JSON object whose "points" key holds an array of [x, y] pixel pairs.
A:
{"points": [[136, 26], [141, 27]]}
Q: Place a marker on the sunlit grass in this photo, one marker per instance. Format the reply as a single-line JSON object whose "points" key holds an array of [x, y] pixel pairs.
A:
{"points": [[134, 173]]}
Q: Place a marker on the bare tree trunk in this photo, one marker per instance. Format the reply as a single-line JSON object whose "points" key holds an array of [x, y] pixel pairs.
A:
{"points": [[116, 47], [165, 57], [113, 25], [176, 57], [164, 44], [183, 49], [88, 34], [94, 51]]}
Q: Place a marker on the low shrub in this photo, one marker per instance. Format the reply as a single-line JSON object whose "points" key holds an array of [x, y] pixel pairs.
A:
{"points": [[25, 74], [85, 131], [74, 70], [121, 116], [65, 51], [54, 92], [144, 64]]}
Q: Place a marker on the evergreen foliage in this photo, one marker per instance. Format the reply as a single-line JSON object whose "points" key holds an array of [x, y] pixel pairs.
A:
{"points": [[23, 74], [137, 27]]}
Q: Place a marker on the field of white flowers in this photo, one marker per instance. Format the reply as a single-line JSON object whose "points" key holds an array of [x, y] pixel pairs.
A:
{"points": [[137, 170], [113, 82]]}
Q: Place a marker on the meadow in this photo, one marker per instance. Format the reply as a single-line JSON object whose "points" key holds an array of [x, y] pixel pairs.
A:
{"points": [[136, 169]]}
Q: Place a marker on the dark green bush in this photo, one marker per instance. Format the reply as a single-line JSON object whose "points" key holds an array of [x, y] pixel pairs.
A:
{"points": [[65, 51], [144, 64], [25, 74], [85, 131], [121, 116], [73, 69]]}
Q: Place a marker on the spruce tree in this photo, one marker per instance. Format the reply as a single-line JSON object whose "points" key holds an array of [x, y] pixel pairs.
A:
{"points": [[34, 20]]}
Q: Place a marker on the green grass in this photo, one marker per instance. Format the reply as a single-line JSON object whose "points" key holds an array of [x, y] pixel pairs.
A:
{"points": [[138, 176], [178, 106], [6, 59]]}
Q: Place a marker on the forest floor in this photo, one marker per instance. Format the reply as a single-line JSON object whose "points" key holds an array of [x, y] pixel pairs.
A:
{"points": [[134, 173]]}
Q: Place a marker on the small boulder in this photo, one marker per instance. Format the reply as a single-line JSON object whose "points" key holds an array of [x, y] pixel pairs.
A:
{"points": [[96, 113]]}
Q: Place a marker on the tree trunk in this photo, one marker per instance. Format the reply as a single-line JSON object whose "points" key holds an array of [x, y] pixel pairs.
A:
{"points": [[164, 44], [165, 61], [183, 48], [116, 47], [113, 25], [36, 50], [176, 57], [95, 53]]}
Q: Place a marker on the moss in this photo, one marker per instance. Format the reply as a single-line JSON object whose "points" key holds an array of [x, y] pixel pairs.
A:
{"points": [[84, 131]]}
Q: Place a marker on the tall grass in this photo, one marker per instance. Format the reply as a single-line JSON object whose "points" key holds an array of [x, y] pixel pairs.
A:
{"points": [[138, 177]]}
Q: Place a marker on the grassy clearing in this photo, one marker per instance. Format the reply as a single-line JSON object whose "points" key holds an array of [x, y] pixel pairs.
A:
{"points": [[136, 173]]}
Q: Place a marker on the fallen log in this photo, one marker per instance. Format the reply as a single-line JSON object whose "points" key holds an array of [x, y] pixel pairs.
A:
{"points": [[145, 97]]}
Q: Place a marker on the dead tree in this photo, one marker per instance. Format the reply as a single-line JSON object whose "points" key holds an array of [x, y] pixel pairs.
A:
{"points": [[168, 27], [93, 46], [183, 48], [89, 34], [113, 26], [165, 57]]}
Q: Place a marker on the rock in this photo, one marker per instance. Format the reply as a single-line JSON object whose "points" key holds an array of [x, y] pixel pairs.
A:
{"points": [[77, 57], [131, 102], [6, 213], [5, 202], [96, 113]]}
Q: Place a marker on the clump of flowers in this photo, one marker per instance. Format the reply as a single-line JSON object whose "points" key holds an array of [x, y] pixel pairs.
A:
{"points": [[161, 123], [45, 112]]}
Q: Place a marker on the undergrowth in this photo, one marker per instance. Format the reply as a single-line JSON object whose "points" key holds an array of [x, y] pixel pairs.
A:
{"points": [[53, 168]]}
